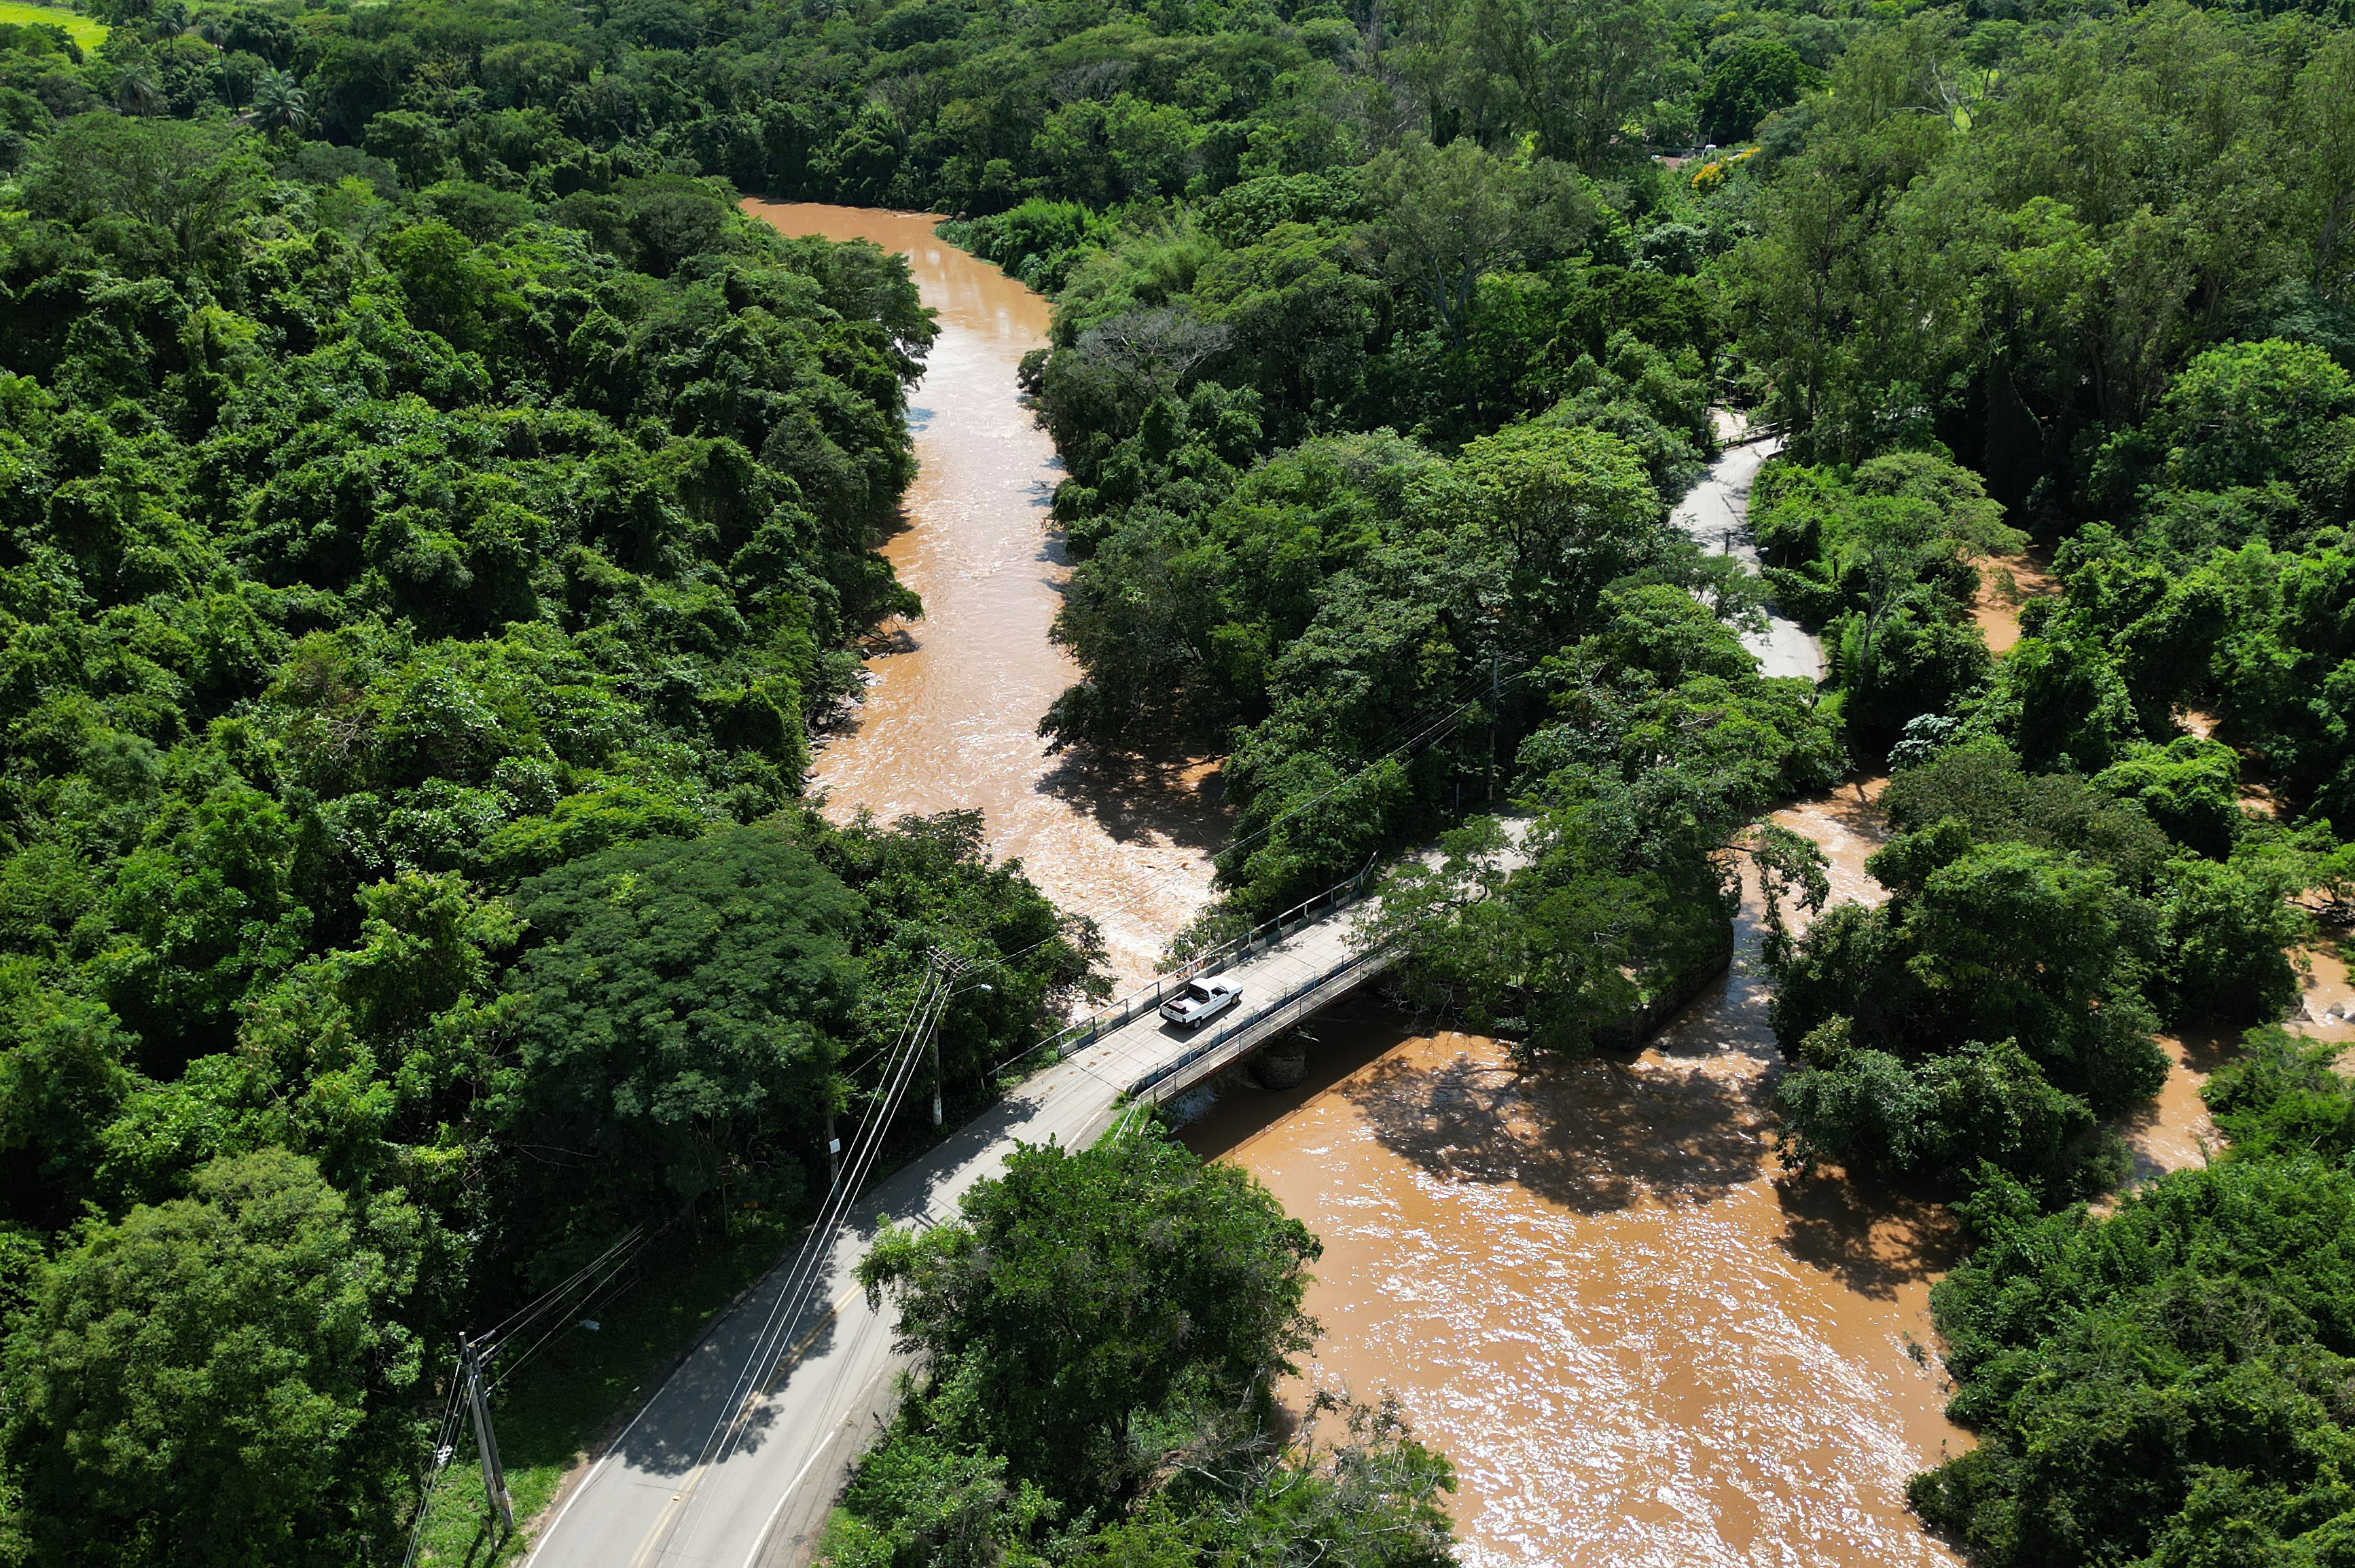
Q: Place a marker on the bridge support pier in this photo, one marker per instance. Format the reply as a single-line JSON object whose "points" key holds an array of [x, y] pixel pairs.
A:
{"points": [[1281, 1064]]}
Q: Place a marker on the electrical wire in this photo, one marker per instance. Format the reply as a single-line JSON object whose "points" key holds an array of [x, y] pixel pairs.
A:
{"points": [[522, 1317], [580, 1309], [799, 1285], [871, 1151], [437, 1465], [1479, 689], [1425, 736], [794, 1299]]}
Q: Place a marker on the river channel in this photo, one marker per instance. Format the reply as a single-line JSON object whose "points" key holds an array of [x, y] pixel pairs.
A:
{"points": [[1592, 1287], [951, 715]]}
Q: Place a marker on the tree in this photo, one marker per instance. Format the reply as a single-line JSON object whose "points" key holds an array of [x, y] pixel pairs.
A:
{"points": [[189, 183], [2190, 786], [1081, 1291], [411, 142], [1749, 82], [2157, 1386], [205, 1381], [2283, 1096], [1586, 67], [279, 103], [1668, 747], [680, 1015], [2326, 95], [1993, 1009], [1563, 512], [64, 1072], [2226, 931], [1447, 214], [2248, 413]]}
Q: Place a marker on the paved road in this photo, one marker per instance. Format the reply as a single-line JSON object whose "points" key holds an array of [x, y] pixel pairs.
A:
{"points": [[648, 1503]]}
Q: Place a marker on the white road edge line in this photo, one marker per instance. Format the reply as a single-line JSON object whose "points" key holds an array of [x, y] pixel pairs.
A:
{"points": [[590, 1478], [760, 1541]]}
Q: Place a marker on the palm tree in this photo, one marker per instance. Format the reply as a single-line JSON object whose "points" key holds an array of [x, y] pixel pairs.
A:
{"points": [[214, 29], [135, 92], [279, 103]]}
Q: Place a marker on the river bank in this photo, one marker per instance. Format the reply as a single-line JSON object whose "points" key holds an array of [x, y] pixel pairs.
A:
{"points": [[1592, 1286]]}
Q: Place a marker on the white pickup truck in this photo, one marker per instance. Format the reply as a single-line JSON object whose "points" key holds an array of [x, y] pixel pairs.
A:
{"points": [[1201, 1000]]}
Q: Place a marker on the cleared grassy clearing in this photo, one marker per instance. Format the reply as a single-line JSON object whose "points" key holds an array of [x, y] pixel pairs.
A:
{"points": [[81, 29]]}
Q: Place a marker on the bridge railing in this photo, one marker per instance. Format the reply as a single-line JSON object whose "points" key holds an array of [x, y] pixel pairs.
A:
{"points": [[1258, 939], [1240, 1032]]}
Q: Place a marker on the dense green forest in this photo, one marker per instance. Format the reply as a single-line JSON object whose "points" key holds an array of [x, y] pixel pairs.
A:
{"points": [[434, 519], [414, 610]]}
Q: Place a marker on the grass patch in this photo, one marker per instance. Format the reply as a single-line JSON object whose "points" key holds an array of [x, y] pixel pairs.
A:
{"points": [[581, 1384], [81, 29]]}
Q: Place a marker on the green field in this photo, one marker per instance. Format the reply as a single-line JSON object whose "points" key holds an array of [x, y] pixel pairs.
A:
{"points": [[80, 28]]}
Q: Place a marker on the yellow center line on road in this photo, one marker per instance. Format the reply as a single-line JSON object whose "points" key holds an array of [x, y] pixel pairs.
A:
{"points": [[651, 1548]]}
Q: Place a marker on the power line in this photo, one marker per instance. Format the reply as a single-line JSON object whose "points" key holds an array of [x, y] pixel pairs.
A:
{"points": [[437, 1463], [1429, 733], [1483, 686], [868, 1149], [621, 1266], [799, 1284], [522, 1317]]}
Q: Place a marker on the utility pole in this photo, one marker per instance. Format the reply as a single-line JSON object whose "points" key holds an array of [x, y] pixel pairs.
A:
{"points": [[1496, 688], [948, 968], [486, 1441]]}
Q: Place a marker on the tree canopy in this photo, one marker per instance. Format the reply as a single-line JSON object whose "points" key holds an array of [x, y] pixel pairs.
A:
{"points": [[1100, 1332], [432, 520]]}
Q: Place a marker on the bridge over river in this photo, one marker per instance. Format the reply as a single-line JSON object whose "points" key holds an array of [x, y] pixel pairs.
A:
{"points": [[653, 1501]]}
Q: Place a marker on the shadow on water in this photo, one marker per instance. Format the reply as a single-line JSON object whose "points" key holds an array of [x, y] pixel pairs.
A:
{"points": [[1167, 796], [1591, 1136], [1876, 1240], [1594, 1136], [1690, 1119]]}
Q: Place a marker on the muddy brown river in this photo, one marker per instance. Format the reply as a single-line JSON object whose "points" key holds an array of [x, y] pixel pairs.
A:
{"points": [[951, 717], [1592, 1286]]}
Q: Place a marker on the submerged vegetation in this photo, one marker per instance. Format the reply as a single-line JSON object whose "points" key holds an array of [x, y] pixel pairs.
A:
{"points": [[431, 519]]}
